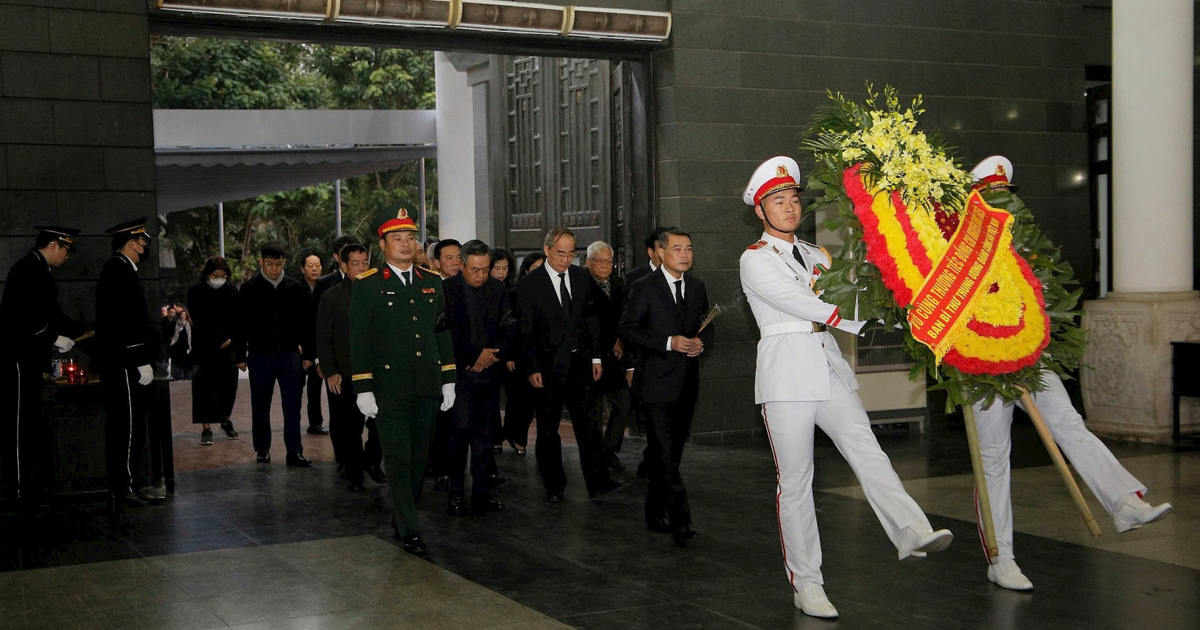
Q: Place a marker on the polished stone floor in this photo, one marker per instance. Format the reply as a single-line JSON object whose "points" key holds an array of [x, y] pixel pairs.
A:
{"points": [[252, 546]]}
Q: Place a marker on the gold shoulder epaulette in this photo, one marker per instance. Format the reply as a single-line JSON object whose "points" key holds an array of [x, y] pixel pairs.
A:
{"points": [[428, 270], [367, 274], [757, 245]]}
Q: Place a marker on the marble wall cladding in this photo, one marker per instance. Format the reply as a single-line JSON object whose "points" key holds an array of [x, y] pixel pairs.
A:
{"points": [[76, 130]]}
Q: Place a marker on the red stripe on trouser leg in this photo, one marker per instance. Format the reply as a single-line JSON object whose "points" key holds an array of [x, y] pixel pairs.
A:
{"points": [[1140, 495], [778, 494], [979, 528]]}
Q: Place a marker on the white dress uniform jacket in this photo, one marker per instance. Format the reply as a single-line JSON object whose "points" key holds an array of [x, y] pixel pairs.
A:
{"points": [[793, 361]]}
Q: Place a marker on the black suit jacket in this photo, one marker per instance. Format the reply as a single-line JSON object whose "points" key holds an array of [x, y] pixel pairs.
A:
{"points": [[123, 334], [214, 319], [333, 331], [275, 319], [608, 309], [553, 343], [631, 278], [30, 314], [650, 318], [496, 320]]}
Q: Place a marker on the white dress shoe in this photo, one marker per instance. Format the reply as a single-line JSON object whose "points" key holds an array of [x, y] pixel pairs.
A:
{"points": [[1005, 573], [916, 543], [812, 600], [1132, 512]]}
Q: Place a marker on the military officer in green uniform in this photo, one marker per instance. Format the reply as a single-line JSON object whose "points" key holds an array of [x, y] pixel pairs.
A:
{"points": [[402, 358]]}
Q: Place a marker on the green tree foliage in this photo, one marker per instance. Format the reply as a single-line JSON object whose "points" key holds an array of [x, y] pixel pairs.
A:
{"points": [[191, 73]]}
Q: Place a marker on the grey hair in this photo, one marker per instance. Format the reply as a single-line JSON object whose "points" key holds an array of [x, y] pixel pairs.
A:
{"points": [[595, 248], [556, 233], [664, 239]]}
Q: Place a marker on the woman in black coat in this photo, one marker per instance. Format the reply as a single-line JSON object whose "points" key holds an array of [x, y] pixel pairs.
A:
{"points": [[518, 407], [213, 303]]}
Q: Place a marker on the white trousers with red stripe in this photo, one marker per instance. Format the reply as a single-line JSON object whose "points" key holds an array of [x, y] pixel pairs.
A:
{"points": [[790, 427], [1096, 465]]}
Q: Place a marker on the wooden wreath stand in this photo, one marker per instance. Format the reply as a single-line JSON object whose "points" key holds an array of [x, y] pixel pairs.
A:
{"points": [[985, 505]]}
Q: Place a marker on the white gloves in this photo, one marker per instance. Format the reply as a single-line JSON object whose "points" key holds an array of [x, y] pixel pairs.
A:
{"points": [[145, 375], [366, 404], [64, 344], [447, 396]]}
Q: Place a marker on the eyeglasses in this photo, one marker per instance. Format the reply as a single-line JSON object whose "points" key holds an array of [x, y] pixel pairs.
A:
{"points": [[273, 264], [564, 255], [601, 261]]}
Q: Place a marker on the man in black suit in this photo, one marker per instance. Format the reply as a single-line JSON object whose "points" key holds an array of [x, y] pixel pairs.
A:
{"points": [[613, 386], [323, 284], [649, 455], [561, 359], [310, 273], [481, 324], [662, 319], [126, 349], [34, 324], [346, 422]]}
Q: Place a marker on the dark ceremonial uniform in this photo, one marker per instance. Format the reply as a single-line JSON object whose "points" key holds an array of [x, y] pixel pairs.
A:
{"points": [[125, 343], [401, 350], [31, 319]]}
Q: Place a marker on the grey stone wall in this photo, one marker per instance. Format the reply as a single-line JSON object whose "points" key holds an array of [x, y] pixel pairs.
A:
{"points": [[76, 131], [741, 79]]}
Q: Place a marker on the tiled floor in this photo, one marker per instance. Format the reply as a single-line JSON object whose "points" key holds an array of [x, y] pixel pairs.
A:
{"points": [[247, 545]]}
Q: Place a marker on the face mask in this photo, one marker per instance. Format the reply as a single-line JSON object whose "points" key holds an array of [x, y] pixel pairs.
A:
{"points": [[216, 283]]}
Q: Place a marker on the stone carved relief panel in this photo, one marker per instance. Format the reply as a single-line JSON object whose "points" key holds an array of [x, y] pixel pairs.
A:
{"points": [[1107, 367]]}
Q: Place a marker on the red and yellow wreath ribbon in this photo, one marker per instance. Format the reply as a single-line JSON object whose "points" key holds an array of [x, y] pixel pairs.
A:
{"points": [[975, 302]]}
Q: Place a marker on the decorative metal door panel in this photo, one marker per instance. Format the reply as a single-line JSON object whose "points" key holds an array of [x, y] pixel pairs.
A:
{"points": [[525, 202], [583, 156]]}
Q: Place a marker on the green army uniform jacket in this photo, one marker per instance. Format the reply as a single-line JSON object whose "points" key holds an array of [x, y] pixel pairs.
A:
{"points": [[399, 341]]}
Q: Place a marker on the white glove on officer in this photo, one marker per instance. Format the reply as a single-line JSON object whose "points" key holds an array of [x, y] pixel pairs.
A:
{"points": [[447, 396], [64, 344], [366, 404], [145, 375]]}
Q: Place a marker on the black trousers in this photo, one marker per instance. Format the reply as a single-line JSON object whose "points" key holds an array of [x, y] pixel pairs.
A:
{"points": [[620, 408], [314, 384], [476, 397], [126, 404], [439, 446], [668, 426], [519, 408], [214, 389], [346, 424], [24, 454], [576, 395]]}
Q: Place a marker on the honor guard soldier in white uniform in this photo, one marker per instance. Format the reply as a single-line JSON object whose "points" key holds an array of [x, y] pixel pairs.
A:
{"points": [[1119, 492], [802, 382]]}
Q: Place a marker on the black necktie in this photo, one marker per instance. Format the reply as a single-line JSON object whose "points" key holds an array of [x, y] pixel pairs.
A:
{"points": [[679, 302], [563, 294], [797, 256], [408, 277]]}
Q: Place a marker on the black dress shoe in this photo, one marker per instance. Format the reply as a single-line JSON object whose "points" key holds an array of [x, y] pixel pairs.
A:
{"points": [[457, 505], [376, 474], [495, 481], [318, 431], [264, 457], [683, 534], [498, 449], [481, 507], [296, 459], [415, 545], [441, 483], [341, 467], [554, 496], [616, 464], [658, 524], [644, 470]]}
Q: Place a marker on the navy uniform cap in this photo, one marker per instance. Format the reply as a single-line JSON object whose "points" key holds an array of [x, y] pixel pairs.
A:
{"points": [[64, 235], [133, 228]]}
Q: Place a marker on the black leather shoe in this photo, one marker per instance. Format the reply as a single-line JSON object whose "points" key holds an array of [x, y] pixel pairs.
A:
{"points": [[318, 431], [264, 457], [683, 534], [498, 449], [376, 474], [658, 524], [644, 469], [415, 545], [457, 505], [495, 481], [135, 499], [296, 459], [616, 464], [441, 483], [554, 496], [479, 508]]}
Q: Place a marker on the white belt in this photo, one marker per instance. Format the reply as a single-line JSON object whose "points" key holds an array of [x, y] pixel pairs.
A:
{"points": [[771, 330]]}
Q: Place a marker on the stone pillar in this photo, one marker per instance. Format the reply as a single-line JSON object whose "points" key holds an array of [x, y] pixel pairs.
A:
{"points": [[1127, 367], [455, 151]]}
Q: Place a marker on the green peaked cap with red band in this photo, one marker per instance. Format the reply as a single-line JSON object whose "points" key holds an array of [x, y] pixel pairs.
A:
{"points": [[400, 216]]}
